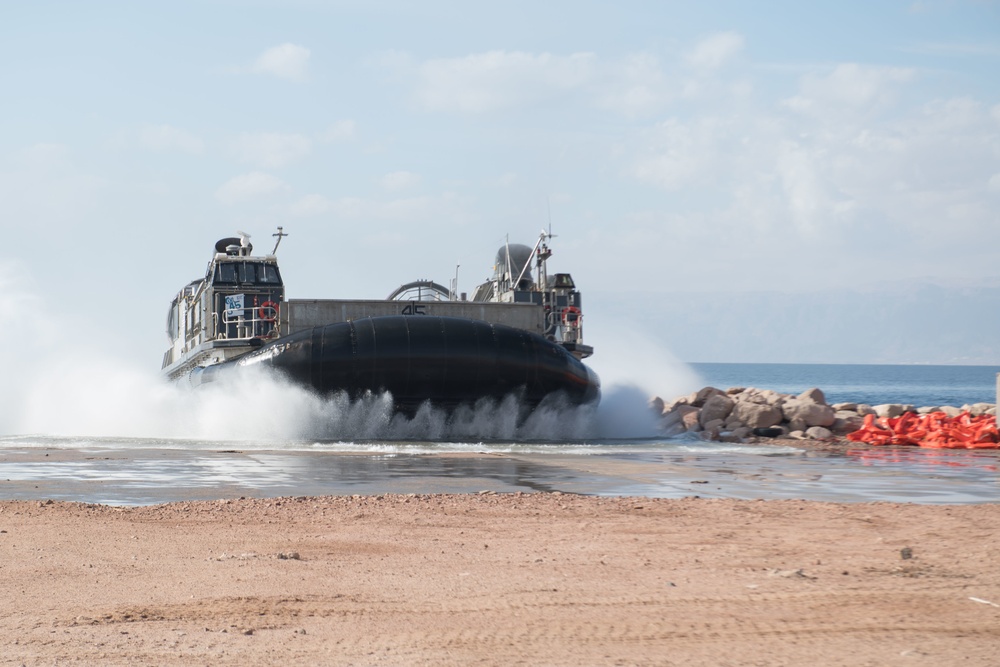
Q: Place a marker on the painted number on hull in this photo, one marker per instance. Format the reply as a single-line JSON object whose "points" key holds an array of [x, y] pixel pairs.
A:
{"points": [[414, 309]]}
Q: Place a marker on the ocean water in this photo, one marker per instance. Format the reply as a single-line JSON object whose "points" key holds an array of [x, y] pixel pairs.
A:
{"points": [[167, 444], [916, 385]]}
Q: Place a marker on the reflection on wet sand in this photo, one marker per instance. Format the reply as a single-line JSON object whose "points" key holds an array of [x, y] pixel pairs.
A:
{"points": [[146, 476]]}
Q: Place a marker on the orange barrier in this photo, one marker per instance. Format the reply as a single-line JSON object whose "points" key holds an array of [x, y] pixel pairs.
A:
{"points": [[935, 430]]}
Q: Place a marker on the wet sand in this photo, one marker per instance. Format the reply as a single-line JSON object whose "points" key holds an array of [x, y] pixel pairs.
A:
{"points": [[126, 474], [499, 579]]}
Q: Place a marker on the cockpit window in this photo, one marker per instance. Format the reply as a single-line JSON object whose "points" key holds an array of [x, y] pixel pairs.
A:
{"points": [[564, 280], [246, 273], [268, 274], [225, 273]]}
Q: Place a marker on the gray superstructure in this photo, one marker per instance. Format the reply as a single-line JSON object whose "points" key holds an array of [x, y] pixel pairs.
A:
{"points": [[240, 305]]}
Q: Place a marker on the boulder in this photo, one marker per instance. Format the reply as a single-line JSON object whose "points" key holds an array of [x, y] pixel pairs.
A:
{"points": [[698, 398], [810, 412], [853, 407], [926, 410], [889, 410], [772, 397], [733, 422], [978, 409], [818, 433], [757, 415], [797, 424], [716, 407], [671, 418], [815, 395], [845, 425], [951, 410], [713, 426], [689, 417], [674, 429], [865, 409]]}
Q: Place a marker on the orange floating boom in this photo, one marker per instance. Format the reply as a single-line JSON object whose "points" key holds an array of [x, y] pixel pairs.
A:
{"points": [[935, 430]]}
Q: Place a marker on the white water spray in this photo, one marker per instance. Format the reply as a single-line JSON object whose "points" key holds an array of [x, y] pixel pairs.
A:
{"points": [[66, 387]]}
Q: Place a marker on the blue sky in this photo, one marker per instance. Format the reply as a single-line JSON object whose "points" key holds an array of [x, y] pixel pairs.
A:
{"points": [[714, 147]]}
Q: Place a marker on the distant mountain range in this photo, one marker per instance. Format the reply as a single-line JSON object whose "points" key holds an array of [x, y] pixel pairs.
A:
{"points": [[893, 324]]}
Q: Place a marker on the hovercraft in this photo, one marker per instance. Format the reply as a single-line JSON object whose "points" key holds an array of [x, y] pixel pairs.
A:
{"points": [[425, 343]]}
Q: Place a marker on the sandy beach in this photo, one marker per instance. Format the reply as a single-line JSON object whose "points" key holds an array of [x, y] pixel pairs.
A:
{"points": [[499, 579]]}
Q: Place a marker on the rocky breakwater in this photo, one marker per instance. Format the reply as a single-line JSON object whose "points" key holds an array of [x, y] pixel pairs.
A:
{"points": [[741, 413]]}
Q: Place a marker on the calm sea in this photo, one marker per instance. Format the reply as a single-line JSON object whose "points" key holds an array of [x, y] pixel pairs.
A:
{"points": [[872, 384]]}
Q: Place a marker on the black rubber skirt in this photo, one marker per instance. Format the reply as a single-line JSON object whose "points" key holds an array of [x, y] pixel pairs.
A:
{"points": [[445, 360]]}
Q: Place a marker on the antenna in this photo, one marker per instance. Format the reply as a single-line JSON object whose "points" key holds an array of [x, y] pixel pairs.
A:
{"points": [[548, 204], [281, 234]]}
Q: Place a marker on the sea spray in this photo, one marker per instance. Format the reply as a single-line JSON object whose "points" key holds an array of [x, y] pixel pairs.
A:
{"points": [[61, 384], [101, 398]]}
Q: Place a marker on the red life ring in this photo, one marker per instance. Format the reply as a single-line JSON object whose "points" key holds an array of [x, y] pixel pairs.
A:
{"points": [[571, 310], [264, 307]]}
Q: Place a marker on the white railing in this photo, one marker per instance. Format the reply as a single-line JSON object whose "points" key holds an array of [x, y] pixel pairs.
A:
{"points": [[255, 321]]}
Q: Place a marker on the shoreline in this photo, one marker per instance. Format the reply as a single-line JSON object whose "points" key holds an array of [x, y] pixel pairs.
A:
{"points": [[836, 471], [497, 579]]}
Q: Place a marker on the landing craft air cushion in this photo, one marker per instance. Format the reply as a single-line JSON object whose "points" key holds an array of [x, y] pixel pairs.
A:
{"points": [[425, 343]]}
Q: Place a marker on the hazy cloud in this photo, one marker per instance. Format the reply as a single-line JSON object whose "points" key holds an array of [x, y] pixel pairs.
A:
{"points": [[634, 86], [678, 154], [311, 205], [436, 208], [792, 178], [43, 184], [271, 150], [499, 79], [166, 138], [288, 61], [714, 51], [250, 186], [849, 85], [399, 180], [340, 130]]}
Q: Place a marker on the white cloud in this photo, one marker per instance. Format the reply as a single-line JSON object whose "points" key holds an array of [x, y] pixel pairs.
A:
{"points": [[506, 179], [43, 186], [835, 179], [312, 205], [399, 180], [47, 156], [166, 138], [271, 150], [848, 86], [245, 187], [714, 51], [441, 208], [679, 154], [288, 61], [634, 86], [341, 130], [500, 79]]}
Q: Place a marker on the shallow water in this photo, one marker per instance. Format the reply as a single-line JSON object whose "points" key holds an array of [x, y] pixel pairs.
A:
{"points": [[137, 472]]}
